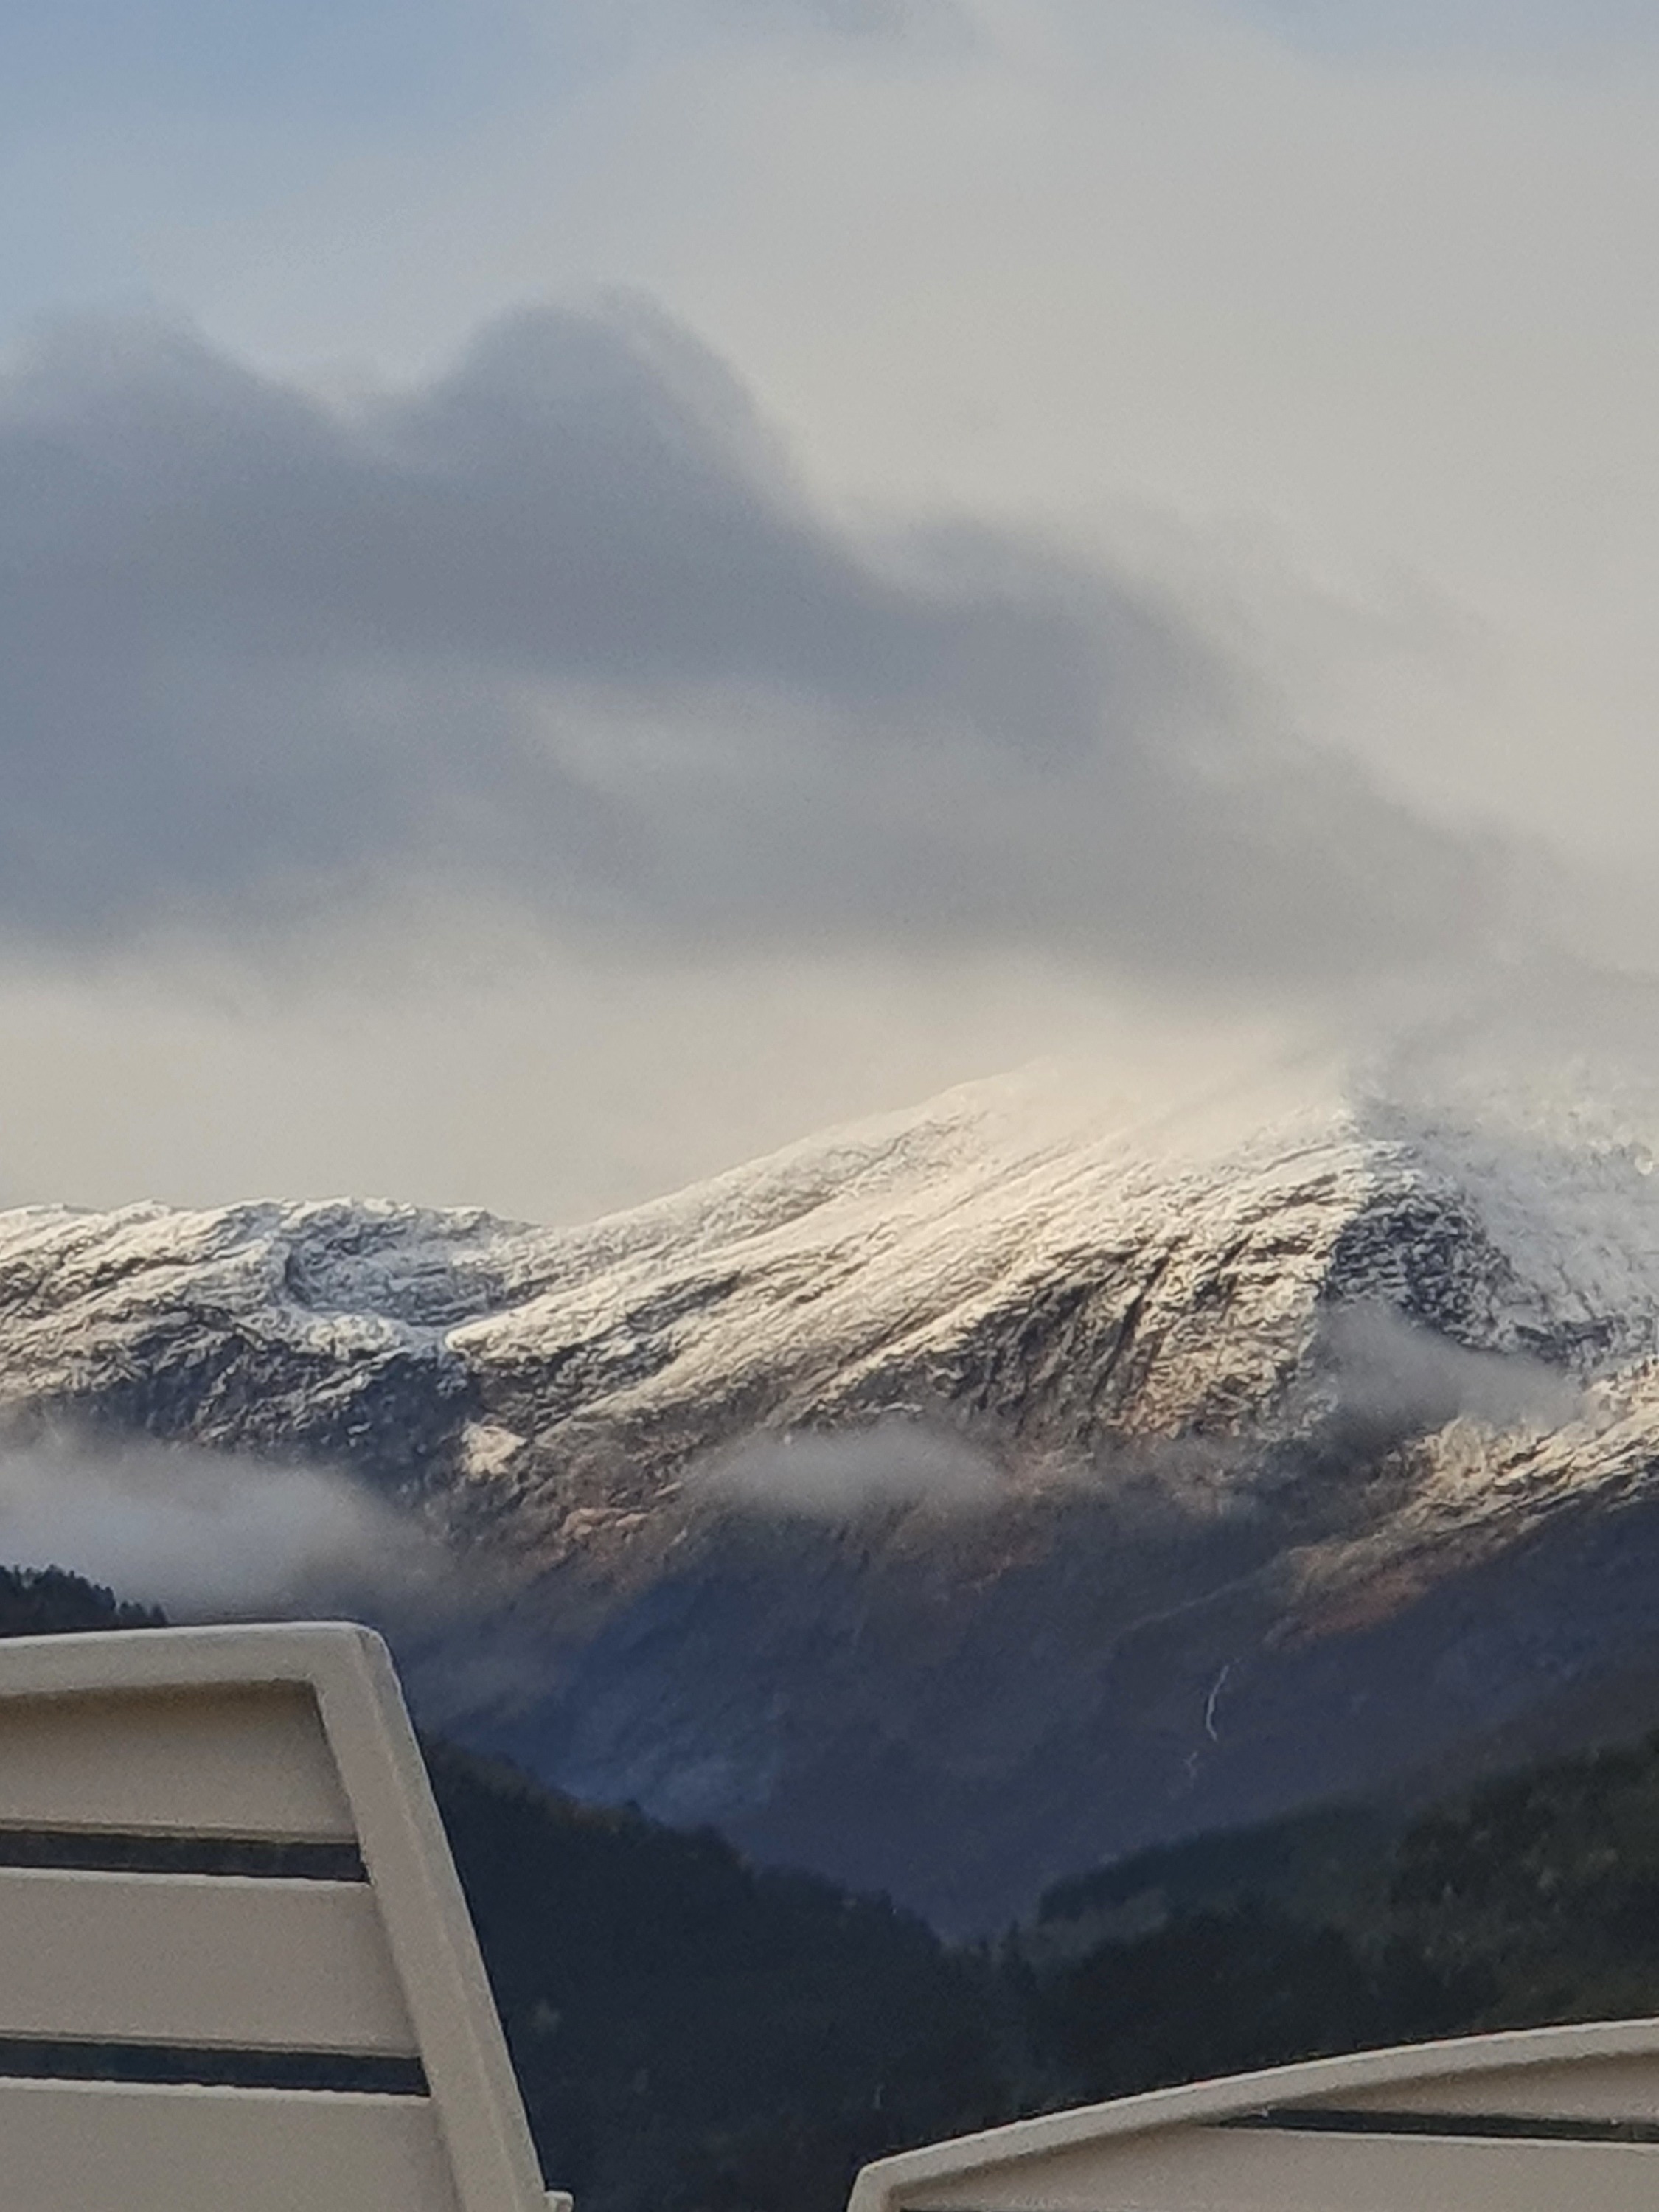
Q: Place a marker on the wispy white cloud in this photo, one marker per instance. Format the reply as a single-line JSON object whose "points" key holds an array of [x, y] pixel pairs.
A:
{"points": [[212, 1535], [892, 1466]]}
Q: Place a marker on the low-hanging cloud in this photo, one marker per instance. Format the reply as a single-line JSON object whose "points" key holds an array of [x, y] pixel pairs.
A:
{"points": [[891, 1466], [561, 625], [208, 1536], [1393, 1374]]}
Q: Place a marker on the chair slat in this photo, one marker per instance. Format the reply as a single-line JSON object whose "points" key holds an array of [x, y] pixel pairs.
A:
{"points": [[74, 2147], [1199, 2169], [243, 1762], [197, 1958]]}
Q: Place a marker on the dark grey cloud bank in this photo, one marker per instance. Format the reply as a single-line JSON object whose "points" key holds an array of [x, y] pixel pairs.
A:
{"points": [[561, 623]]}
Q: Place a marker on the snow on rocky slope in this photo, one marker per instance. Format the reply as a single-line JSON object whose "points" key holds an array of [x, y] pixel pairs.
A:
{"points": [[1304, 1437]]}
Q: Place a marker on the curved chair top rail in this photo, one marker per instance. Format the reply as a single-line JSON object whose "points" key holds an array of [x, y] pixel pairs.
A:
{"points": [[1524, 2120]]}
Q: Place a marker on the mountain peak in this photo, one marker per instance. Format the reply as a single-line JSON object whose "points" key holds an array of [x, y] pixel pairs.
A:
{"points": [[1029, 1378]]}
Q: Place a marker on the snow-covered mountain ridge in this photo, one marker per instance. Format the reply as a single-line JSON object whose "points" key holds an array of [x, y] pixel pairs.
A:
{"points": [[1291, 1378], [1067, 1285]]}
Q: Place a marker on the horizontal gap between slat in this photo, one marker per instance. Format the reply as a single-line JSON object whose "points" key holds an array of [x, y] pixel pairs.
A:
{"points": [[169, 2064], [1513, 2127], [94, 1851]]}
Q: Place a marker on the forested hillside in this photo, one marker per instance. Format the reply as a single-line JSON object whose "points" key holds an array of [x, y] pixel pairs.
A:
{"points": [[46, 1601], [1533, 1899], [691, 2032]]}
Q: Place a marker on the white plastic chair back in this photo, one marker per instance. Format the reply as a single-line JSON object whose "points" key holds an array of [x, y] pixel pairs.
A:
{"points": [[236, 1970], [1559, 2119]]}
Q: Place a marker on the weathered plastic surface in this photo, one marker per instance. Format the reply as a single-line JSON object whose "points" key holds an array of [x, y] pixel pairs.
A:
{"points": [[1533, 2122], [80, 2147], [235, 1964]]}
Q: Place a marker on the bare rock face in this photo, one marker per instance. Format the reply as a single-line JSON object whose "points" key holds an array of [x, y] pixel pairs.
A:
{"points": [[955, 1499]]}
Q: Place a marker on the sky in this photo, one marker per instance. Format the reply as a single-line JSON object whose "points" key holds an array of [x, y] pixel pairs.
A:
{"points": [[590, 588]]}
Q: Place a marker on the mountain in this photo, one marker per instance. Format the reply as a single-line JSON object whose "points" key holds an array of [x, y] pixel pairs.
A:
{"points": [[971, 1495]]}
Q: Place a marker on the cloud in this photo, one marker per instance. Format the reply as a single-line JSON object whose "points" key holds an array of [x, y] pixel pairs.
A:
{"points": [[365, 59], [207, 1535], [906, 20], [1489, 28], [893, 1466], [1393, 1375], [559, 624]]}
